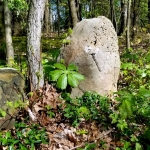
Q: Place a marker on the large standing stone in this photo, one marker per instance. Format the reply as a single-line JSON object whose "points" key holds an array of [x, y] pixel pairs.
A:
{"points": [[11, 89], [93, 48]]}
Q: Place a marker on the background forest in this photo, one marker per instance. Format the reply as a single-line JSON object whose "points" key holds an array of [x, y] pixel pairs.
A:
{"points": [[32, 29]]}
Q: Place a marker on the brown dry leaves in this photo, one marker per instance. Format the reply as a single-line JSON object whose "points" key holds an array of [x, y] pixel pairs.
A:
{"points": [[62, 136]]}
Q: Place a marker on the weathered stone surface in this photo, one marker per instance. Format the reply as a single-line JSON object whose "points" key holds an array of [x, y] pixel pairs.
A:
{"points": [[11, 89], [94, 49]]}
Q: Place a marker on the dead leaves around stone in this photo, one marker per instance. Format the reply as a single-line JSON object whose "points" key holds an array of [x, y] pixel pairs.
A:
{"points": [[46, 106], [46, 109]]}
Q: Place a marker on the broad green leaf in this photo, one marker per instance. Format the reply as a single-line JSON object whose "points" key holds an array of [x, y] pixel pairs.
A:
{"points": [[2, 113], [10, 104], [56, 74], [126, 145], [122, 124], [129, 66], [60, 66], [147, 134], [144, 92], [128, 107], [70, 31], [72, 81], [77, 75], [138, 146], [66, 41], [148, 57], [72, 67], [83, 111], [62, 82], [67, 115], [125, 109]]}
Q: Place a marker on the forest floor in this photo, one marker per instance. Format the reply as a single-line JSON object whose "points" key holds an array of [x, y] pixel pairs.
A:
{"points": [[63, 130]]}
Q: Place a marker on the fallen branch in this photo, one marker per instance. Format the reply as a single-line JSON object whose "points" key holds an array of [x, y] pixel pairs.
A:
{"points": [[31, 115]]}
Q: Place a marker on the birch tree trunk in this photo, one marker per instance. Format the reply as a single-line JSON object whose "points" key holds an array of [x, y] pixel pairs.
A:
{"points": [[35, 18], [8, 35], [73, 12]]}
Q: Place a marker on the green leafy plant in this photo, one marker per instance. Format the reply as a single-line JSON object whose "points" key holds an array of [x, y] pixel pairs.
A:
{"points": [[125, 147], [135, 70], [50, 112], [13, 107], [91, 106], [88, 146], [83, 131], [2, 113], [65, 75], [26, 137]]}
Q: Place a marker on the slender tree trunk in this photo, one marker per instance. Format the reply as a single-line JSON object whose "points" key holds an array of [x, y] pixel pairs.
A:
{"points": [[128, 26], [58, 16], [2, 25], [2, 30], [149, 11], [79, 10], [73, 13], [47, 17], [35, 19], [112, 14], [123, 17], [69, 22], [135, 16], [51, 20], [8, 35]]}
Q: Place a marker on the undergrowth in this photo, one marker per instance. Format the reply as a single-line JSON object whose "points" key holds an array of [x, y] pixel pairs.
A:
{"points": [[91, 121]]}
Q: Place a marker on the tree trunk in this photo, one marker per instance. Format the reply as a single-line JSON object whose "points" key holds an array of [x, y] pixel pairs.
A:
{"points": [[135, 16], [73, 13], [79, 10], [123, 17], [2, 25], [128, 27], [8, 35], [112, 14], [47, 17], [51, 20], [58, 18], [149, 11], [35, 19]]}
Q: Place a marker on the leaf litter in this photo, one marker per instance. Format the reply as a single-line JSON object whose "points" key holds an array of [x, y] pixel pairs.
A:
{"points": [[61, 134]]}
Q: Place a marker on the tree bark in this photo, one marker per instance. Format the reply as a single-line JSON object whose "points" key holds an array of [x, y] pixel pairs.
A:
{"points": [[73, 13], [51, 20], [149, 11], [79, 9], [8, 35], [47, 17], [35, 18], [128, 27], [123, 17], [135, 16], [112, 14], [58, 18]]}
